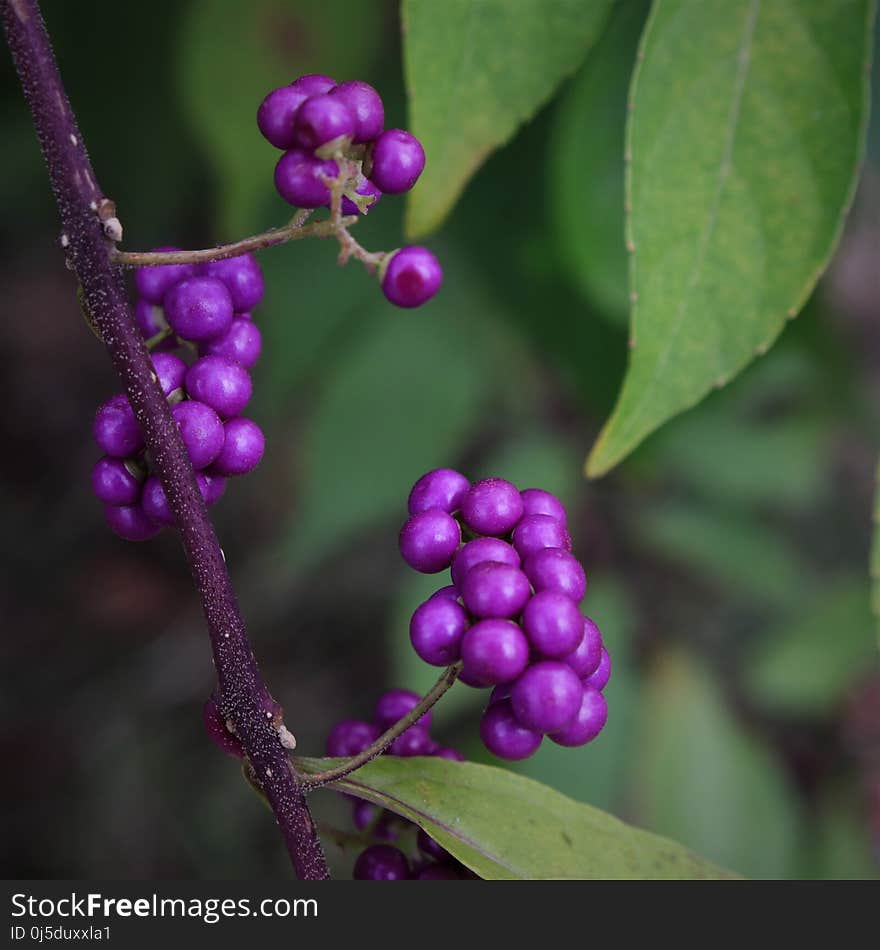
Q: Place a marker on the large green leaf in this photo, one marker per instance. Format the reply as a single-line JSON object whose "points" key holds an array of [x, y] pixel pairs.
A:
{"points": [[585, 165], [875, 556], [506, 827], [746, 127], [475, 71]]}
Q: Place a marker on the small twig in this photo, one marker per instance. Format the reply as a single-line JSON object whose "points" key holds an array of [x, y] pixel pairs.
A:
{"points": [[318, 779]]}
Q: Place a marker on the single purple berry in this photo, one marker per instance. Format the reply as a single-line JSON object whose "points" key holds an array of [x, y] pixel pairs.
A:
{"points": [[363, 813], [554, 625], [154, 282], [243, 279], [442, 871], [504, 736], [381, 862], [441, 488], [412, 276], [365, 104], [492, 506], [536, 501], [242, 450], [494, 651], [450, 592], [599, 678], [492, 589], [415, 741], [585, 658], [130, 522], [436, 629], [116, 430], [350, 737], [113, 482], [212, 487], [202, 432], [220, 383], [277, 111], [453, 755], [218, 731], [547, 696], [587, 724], [298, 178], [555, 569], [397, 159], [429, 540], [170, 370], [429, 847], [366, 189], [536, 532], [242, 342], [199, 308], [394, 705], [321, 119], [478, 551]]}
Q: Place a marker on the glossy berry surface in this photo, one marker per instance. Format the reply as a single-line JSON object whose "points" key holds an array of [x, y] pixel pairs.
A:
{"points": [[602, 674], [585, 658], [492, 589], [535, 532], [441, 488], [477, 552], [436, 629], [298, 178], [350, 737], [381, 862], [321, 119], [555, 569], [492, 506], [113, 483], [202, 432], [494, 651], [504, 736], [588, 722], [153, 283], [277, 112], [547, 696], [394, 705], [242, 449], [116, 430], [536, 501], [171, 371], [199, 308], [242, 342], [365, 104], [398, 160], [429, 540], [221, 383], [130, 522], [553, 624], [412, 277], [243, 279]]}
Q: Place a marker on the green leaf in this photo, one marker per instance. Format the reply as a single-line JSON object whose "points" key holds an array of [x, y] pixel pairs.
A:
{"points": [[475, 71], [507, 827], [705, 781], [746, 128], [232, 54], [805, 667], [875, 557], [585, 165]]}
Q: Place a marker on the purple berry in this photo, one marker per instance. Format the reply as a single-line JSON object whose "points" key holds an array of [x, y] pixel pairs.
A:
{"points": [[599, 678], [313, 84], [212, 487], [555, 569], [588, 722], [170, 370], [453, 755], [242, 342], [215, 726], [450, 592], [321, 119], [277, 111], [298, 178], [154, 282], [415, 741], [492, 506], [130, 522], [429, 540], [242, 450], [412, 276], [436, 629], [504, 736], [444, 871], [363, 813], [116, 430], [536, 532], [480, 550], [494, 651], [113, 483], [381, 862], [492, 589], [442, 488], [394, 705], [397, 161], [350, 737], [199, 309], [155, 501], [585, 658], [365, 104], [547, 696], [243, 279], [366, 189], [220, 383], [536, 501], [429, 847], [202, 432], [554, 625]]}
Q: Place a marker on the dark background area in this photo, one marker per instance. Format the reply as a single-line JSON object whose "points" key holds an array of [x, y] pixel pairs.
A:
{"points": [[727, 558]]}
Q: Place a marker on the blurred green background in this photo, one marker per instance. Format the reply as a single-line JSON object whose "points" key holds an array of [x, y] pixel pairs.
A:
{"points": [[727, 558]]}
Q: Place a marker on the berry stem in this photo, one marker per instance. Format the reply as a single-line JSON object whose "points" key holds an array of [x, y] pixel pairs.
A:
{"points": [[447, 678], [88, 246]]}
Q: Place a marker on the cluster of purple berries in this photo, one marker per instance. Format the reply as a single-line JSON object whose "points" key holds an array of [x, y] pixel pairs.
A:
{"points": [[388, 862], [512, 613], [203, 309], [315, 121]]}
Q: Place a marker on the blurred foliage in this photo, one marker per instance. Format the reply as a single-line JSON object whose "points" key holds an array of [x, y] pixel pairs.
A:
{"points": [[726, 558]]}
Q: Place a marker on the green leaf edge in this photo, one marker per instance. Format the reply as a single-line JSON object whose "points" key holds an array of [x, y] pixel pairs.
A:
{"points": [[599, 462], [357, 783]]}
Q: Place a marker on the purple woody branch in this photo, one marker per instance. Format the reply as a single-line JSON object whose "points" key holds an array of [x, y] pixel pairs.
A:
{"points": [[88, 223]]}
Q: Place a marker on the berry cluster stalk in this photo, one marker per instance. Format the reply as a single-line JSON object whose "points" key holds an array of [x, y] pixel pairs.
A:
{"points": [[88, 227]]}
